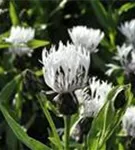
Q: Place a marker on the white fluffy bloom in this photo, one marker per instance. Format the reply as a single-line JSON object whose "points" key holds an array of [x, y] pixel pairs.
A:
{"points": [[93, 101], [86, 37], [125, 55], [128, 121], [128, 30], [19, 36], [65, 69]]}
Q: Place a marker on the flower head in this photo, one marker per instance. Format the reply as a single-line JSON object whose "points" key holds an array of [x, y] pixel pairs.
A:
{"points": [[128, 30], [91, 100], [128, 121], [86, 37], [94, 97], [66, 68], [19, 36], [125, 56], [123, 53]]}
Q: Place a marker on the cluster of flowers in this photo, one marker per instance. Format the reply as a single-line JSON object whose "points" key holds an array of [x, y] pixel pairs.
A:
{"points": [[66, 68], [125, 55], [125, 61]]}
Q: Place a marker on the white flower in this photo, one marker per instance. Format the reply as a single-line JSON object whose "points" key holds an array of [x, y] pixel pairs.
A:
{"points": [[128, 30], [125, 55], [86, 37], [128, 121], [19, 36], [94, 97], [65, 69]]}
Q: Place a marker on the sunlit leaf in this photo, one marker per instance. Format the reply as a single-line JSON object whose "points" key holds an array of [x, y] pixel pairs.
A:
{"points": [[43, 101], [3, 35], [37, 43], [126, 7], [4, 45], [13, 13]]}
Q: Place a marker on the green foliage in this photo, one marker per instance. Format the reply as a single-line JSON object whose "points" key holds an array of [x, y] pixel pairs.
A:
{"points": [[17, 129], [37, 43], [126, 7], [21, 133], [55, 139], [13, 13], [108, 118], [21, 118]]}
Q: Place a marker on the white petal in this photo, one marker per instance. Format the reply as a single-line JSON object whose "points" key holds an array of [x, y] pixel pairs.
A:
{"points": [[93, 101], [86, 37], [64, 66], [19, 36], [128, 121]]}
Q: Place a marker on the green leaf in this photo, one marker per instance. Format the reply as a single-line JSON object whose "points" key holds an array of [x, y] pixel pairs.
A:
{"points": [[5, 95], [20, 133], [43, 102], [3, 35], [37, 43], [125, 7], [4, 45], [13, 14], [108, 118], [9, 89], [106, 18], [100, 12], [11, 139]]}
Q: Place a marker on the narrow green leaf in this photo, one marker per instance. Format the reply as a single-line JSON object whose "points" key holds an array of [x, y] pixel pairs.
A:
{"points": [[37, 43], [43, 101], [125, 7], [13, 14], [108, 19], [100, 12], [20, 133], [8, 90], [3, 35], [5, 95], [4, 45]]}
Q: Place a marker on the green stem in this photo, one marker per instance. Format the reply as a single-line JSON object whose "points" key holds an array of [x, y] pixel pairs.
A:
{"points": [[67, 120], [85, 142]]}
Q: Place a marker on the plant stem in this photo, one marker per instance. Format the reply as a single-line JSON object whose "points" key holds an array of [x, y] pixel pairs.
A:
{"points": [[67, 131], [85, 143]]}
